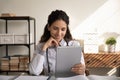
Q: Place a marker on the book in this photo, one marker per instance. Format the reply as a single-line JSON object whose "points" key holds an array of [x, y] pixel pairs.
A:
{"points": [[14, 67], [4, 67], [8, 14], [24, 59], [23, 66], [14, 63], [5, 58], [4, 62]]}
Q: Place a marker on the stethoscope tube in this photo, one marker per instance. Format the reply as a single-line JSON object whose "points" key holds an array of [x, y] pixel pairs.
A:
{"points": [[48, 61]]}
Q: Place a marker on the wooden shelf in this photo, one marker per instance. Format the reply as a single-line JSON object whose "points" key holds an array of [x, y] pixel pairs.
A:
{"points": [[102, 59]]}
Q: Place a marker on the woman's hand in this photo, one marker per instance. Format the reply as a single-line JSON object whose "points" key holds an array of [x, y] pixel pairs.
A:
{"points": [[50, 42], [78, 69]]}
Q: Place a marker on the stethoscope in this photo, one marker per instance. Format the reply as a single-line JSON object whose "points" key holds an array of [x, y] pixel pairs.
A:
{"points": [[50, 75], [48, 61]]}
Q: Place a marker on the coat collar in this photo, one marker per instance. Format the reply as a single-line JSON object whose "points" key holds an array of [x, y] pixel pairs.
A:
{"points": [[63, 43]]}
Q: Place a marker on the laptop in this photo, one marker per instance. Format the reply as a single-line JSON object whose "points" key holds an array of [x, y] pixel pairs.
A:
{"points": [[66, 58]]}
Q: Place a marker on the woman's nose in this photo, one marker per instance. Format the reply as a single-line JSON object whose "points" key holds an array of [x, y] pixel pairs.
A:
{"points": [[59, 32]]}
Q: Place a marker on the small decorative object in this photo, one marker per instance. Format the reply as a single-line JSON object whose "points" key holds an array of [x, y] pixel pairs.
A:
{"points": [[111, 42], [8, 14]]}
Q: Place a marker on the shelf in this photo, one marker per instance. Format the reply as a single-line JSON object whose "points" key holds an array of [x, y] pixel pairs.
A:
{"points": [[18, 18], [108, 60], [16, 44], [14, 71], [27, 44]]}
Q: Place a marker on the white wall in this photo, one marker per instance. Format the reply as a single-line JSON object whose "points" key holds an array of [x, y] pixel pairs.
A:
{"points": [[105, 21], [78, 10]]}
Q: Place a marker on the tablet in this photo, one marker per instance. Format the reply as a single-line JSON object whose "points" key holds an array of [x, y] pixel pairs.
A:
{"points": [[66, 58]]}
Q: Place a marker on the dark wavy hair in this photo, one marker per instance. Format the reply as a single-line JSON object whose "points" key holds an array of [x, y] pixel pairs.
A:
{"points": [[56, 15]]}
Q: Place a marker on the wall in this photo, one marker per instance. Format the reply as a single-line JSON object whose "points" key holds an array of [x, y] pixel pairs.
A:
{"points": [[104, 21], [40, 9], [86, 15]]}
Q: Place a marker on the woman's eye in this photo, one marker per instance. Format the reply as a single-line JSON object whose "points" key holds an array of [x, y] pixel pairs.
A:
{"points": [[55, 28], [63, 29]]}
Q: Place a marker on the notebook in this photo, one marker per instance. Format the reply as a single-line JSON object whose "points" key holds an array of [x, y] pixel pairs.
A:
{"points": [[66, 58]]}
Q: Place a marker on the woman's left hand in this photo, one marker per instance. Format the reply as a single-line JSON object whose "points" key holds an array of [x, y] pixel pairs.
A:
{"points": [[78, 69]]}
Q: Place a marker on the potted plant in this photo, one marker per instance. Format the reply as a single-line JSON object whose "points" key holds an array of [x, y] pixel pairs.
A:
{"points": [[111, 42]]}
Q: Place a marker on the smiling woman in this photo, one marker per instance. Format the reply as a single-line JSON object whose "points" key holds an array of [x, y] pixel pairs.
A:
{"points": [[58, 30], [56, 33]]}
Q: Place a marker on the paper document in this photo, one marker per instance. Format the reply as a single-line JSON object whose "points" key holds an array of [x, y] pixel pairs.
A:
{"points": [[78, 77]]}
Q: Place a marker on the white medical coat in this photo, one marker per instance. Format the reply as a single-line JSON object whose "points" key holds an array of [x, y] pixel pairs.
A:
{"points": [[39, 62]]}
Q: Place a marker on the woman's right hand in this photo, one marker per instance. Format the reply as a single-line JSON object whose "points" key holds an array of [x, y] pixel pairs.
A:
{"points": [[50, 42]]}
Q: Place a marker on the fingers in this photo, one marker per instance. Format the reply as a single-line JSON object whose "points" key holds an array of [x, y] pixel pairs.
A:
{"points": [[78, 65], [78, 69], [53, 42], [50, 42]]}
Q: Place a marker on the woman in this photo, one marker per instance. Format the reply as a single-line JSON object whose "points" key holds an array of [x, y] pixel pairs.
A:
{"points": [[56, 33]]}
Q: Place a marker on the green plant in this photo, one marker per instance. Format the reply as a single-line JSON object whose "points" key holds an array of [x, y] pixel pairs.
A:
{"points": [[111, 41]]}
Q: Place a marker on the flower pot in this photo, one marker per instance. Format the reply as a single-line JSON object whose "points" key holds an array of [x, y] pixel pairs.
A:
{"points": [[111, 48]]}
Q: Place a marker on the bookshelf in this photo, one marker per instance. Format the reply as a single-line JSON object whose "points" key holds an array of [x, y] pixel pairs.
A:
{"points": [[17, 63]]}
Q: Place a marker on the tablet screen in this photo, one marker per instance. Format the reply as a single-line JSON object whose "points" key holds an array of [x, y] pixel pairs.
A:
{"points": [[66, 58]]}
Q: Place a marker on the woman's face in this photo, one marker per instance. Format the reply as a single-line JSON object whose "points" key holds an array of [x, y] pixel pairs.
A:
{"points": [[58, 30]]}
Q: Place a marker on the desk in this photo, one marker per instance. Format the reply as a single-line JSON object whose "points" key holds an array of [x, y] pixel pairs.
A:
{"points": [[4, 77], [80, 77], [109, 60]]}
